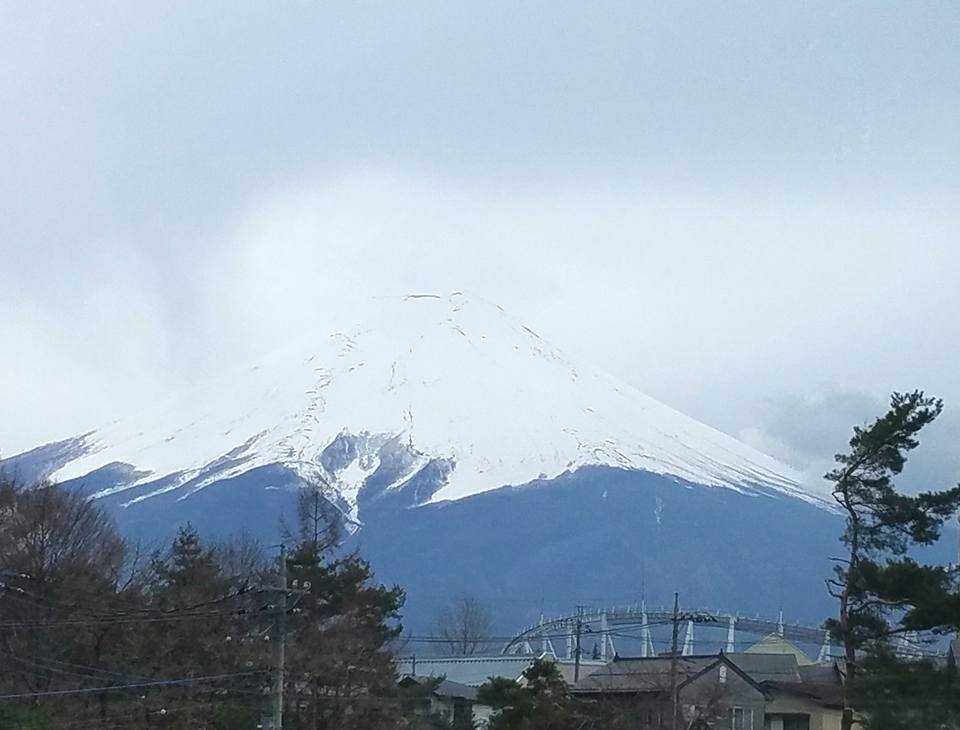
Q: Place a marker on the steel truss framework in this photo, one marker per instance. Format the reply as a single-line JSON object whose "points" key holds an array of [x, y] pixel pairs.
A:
{"points": [[606, 626]]}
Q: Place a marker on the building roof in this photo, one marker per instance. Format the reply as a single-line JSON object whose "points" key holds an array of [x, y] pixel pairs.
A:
{"points": [[650, 674], [445, 688], [768, 667], [821, 682], [767, 671], [475, 670], [469, 670], [567, 668], [776, 644]]}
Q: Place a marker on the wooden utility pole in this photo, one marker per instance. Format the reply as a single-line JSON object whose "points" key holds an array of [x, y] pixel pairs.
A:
{"points": [[280, 643], [576, 652]]}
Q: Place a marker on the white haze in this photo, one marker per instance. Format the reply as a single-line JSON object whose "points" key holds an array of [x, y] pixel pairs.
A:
{"points": [[749, 211]]}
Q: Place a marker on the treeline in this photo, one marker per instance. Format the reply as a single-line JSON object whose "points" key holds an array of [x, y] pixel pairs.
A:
{"points": [[98, 632]]}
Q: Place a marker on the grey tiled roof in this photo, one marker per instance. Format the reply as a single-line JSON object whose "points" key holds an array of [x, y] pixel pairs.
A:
{"points": [[773, 672], [653, 673], [820, 673], [820, 682], [446, 688], [642, 675]]}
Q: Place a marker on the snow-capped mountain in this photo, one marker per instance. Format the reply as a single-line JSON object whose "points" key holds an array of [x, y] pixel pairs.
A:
{"points": [[467, 456], [442, 396]]}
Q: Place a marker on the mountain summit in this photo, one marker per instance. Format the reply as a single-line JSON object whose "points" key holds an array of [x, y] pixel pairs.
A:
{"points": [[435, 397]]}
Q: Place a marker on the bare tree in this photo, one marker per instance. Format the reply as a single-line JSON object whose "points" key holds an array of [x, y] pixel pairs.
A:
{"points": [[465, 626], [318, 520], [243, 559], [52, 535], [711, 707], [62, 568]]}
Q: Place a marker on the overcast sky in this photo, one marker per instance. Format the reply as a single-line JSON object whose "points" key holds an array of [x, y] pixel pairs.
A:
{"points": [[750, 210]]}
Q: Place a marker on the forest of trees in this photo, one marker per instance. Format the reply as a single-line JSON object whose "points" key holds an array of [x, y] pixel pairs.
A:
{"points": [[97, 632]]}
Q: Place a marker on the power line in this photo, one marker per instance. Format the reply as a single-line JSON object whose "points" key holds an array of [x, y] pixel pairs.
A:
{"points": [[97, 674], [116, 687], [129, 619], [25, 595], [99, 670]]}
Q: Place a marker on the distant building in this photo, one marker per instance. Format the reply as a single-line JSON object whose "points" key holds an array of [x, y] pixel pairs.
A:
{"points": [[454, 703], [475, 670], [456, 694], [745, 691]]}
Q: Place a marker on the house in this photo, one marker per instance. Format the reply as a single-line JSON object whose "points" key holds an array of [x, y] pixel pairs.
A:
{"points": [[709, 688], [744, 691], [813, 703], [452, 702]]}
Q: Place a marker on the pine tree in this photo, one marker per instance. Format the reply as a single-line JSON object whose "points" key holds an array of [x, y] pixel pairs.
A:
{"points": [[881, 590], [895, 694], [542, 702], [341, 673], [196, 632], [190, 573]]}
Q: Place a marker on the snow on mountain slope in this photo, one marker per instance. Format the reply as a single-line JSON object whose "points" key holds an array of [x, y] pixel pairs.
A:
{"points": [[451, 381]]}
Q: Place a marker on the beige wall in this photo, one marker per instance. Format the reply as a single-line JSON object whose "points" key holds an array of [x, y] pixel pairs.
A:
{"points": [[821, 718]]}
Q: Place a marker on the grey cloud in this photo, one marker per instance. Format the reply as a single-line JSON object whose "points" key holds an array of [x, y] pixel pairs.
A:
{"points": [[715, 201], [806, 430]]}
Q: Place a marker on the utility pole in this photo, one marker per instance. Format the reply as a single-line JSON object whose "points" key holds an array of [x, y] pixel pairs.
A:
{"points": [[694, 617], [674, 704], [279, 643], [576, 652]]}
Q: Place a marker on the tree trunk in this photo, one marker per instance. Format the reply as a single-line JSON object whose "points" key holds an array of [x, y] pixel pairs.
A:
{"points": [[846, 632]]}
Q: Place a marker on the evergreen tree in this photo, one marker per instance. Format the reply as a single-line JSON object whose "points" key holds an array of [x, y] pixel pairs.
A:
{"points": [[881, 590], [541, 702], [193, 629], [895, 694], [341, 673], [189, 574]]}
